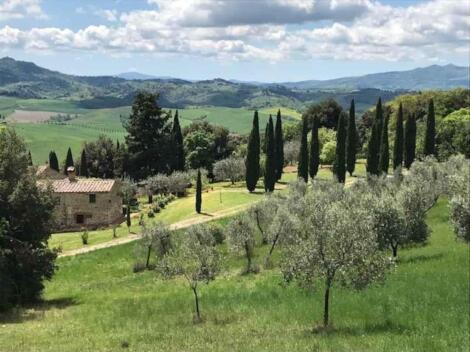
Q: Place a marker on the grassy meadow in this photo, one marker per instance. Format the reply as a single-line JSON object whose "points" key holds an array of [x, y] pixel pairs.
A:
{"points": [[43, 137], [96, 303]]}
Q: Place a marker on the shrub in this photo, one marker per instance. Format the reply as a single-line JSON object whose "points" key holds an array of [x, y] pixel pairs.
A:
{"points": [[151, 214], [217, 232], [84, 237]]}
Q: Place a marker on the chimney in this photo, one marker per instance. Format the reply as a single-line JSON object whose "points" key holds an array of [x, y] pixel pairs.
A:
{"points": [[71, 173]]}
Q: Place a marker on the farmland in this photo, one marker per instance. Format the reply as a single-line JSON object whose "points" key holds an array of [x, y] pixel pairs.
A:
{"points": [[90, 123]]}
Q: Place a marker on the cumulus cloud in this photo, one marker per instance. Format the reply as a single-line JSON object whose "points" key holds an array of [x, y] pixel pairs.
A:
{"points": [[263, 30], [16, 9], [210, 13]]}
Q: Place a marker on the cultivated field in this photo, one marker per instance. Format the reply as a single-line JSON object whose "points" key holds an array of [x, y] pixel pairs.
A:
{"points": [[95, 302], [30, 116], [43, 137]]}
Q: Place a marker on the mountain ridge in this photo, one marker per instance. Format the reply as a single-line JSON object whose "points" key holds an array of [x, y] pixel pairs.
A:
{"points": [[27, 80]]}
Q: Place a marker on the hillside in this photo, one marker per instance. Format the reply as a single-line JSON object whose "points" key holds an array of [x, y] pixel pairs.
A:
{"points": [[27, 80], [431, 77], [423, 306]]}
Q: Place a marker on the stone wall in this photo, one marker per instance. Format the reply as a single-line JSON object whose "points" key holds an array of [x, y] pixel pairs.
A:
{"points": [[105, 211]]}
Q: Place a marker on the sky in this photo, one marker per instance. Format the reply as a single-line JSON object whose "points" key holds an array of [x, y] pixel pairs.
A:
{"points": [[250, 40]]}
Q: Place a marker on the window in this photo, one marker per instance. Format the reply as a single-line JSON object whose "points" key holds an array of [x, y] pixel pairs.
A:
{"points": [[80, 219], [92, 198]]}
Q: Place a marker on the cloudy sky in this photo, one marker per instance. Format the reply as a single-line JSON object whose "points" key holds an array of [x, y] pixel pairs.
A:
{"points": [[263, 40]]}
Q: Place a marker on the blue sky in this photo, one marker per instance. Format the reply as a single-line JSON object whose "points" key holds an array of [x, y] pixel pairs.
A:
{"points": [[262, 40]]}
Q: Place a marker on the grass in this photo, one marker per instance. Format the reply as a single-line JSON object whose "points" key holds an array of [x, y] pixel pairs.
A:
{"points": [[96, 303], [218, 198], [44, 137]]}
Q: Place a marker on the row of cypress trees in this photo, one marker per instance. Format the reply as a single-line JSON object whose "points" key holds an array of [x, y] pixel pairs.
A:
{"points": [[404, 149], [346, 147], [274, 161]]}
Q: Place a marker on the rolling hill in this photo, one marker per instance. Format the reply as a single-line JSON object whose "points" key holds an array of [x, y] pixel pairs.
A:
{"points": [[21, 79], [431, 77]]}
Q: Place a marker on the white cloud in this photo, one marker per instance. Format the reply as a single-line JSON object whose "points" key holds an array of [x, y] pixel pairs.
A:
{"points": [[16, 9], [333, 29], [210, 13], [108, 15]]}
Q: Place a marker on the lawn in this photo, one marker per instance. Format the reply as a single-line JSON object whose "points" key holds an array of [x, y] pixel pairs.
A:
{"points": [[96, 303]]}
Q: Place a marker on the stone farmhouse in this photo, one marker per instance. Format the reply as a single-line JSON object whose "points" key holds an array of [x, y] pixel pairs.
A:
{"points": [[83, 202]]}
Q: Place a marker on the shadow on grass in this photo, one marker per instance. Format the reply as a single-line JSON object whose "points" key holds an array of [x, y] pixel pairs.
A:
{"points": [[35, 311], [421, 258], [387, 327], [206, 214]]}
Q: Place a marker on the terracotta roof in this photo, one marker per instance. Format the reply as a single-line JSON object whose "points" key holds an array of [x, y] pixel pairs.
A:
{"points": [[82, 185], [41, 169]]}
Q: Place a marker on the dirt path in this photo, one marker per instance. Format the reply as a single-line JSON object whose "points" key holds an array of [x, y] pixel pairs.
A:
{"points": [[176, 226]]}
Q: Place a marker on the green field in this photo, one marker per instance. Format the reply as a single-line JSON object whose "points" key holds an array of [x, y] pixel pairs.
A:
{"points": [[41, 138], [96, 303]]}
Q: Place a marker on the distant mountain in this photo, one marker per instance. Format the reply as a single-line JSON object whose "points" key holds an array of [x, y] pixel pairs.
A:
{"points": [[27, 80], [135, 75], [131, 76], [431, 77]]}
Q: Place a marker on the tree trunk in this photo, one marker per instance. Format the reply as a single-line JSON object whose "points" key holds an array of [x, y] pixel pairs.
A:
{"points": [[326, 306], [196, 298], [150, 198], [394, 251], [248, 257], [271, 250], [148, 257]]}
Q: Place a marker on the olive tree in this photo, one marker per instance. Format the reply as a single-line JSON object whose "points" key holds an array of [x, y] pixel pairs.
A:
{"points": [[458, 180], [334, 244], [261, 213], [196, 259], [241, 234], [128, 193], [178, 182], [291, 152], [157, 236], [280, 225], [232, 168]]}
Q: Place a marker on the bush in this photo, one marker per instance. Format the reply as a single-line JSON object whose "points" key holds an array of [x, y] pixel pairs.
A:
{"points": [[84, 237], [217, 232], [156, 209], [151, 214], [328, 153]]}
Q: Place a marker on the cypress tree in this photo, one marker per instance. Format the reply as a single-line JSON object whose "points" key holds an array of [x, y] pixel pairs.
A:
{"points": [[339, 166], [302, 169], [351, 140], [314, 149], [128, 217], [252, 158], [410, 140], [279, 146], [398, 146], [373, 147], [270, 162], [68, 160], [83, 164], [384, 160], [179, 157], [198, 192], [30, 159], [430, 138], [53, 161]]}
